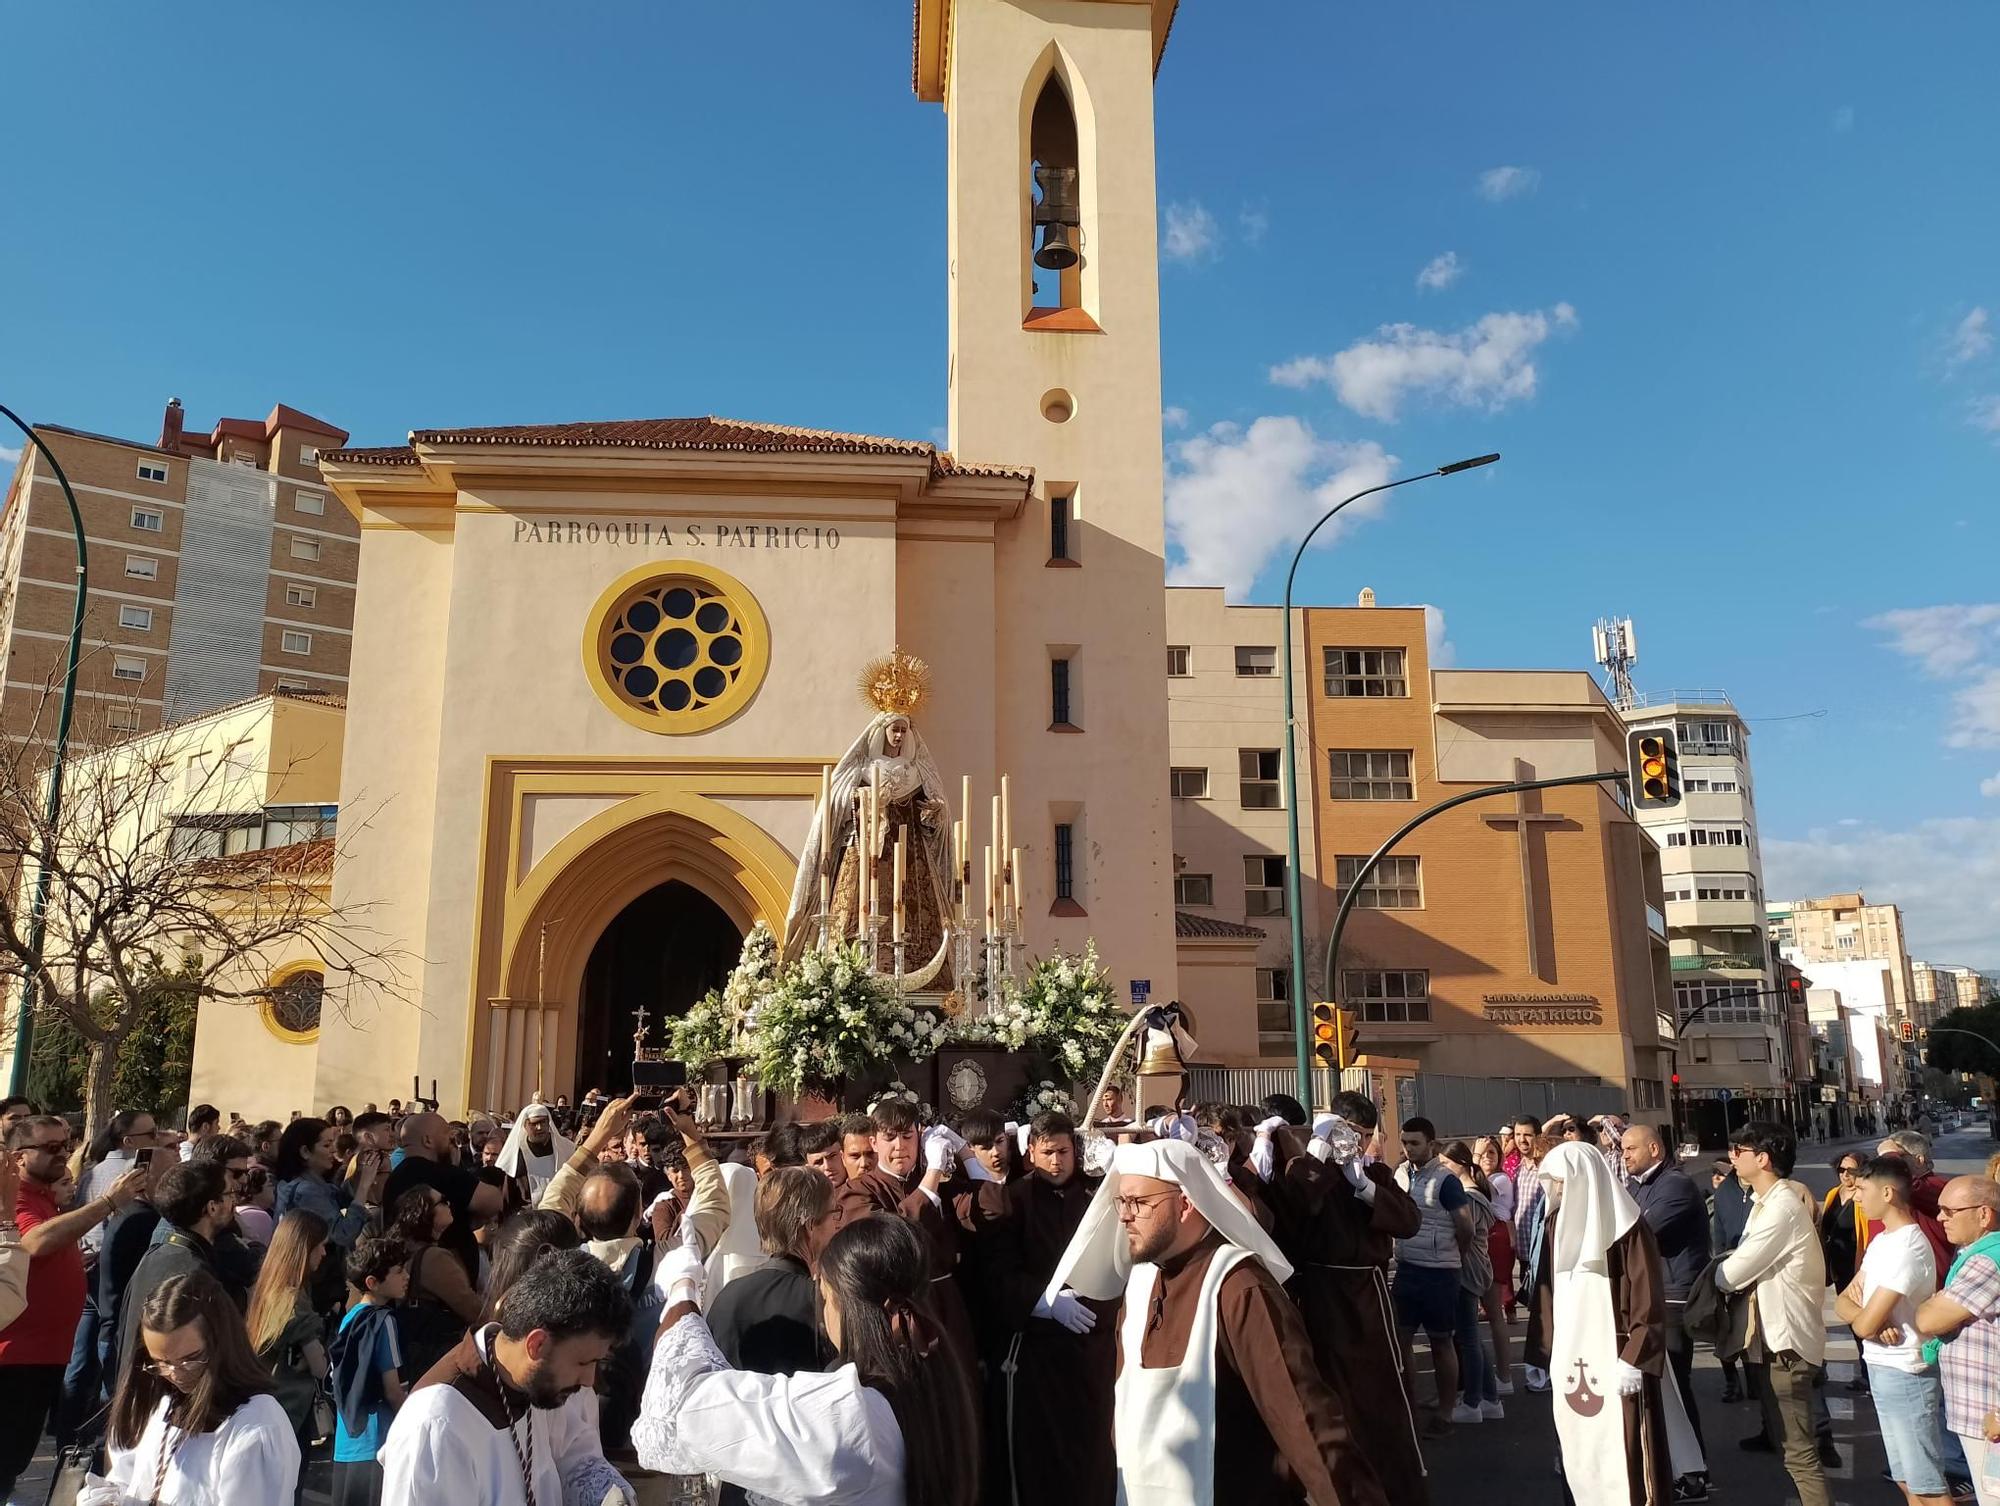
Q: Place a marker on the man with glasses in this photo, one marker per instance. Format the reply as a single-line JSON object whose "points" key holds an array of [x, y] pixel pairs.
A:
{"points": [[194, 1205], [36, 1347], [1962, 1323]]}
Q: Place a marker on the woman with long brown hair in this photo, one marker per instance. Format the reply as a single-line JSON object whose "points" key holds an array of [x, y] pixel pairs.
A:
{"points": [[1479, 1378], [194, 1422], [286, 1331], [892, 1424]]}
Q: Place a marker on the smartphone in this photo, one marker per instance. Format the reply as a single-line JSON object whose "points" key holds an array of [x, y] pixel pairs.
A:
{"points": [[645, 1103], [144, 1157], [659, 1074]]}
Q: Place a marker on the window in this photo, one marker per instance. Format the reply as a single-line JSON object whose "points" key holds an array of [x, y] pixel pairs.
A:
{"points": [[1190, 784], [125, 667], [1274, 983], [244, 457], [1753, 1050], [1274, 1001], [1177, 661], [1708, 836], [293, 642], [1843, 943], [311, 503], [1255, 662], [1370, 775], [304, 548], [1365, 672], [308, 454], [1396, 883], [297, 595], [1722, 893], [1065, 861], [1397, 996], [286, 824], [299, 687], [122, 718], [139, 619], [1648, 1094], [1257, 769], [1059, 707], [152, 470], [1194, 889], [146, 520], [1732, 1002], [1708, 737], [1062, 515], [142, 567], [1263, 885]]}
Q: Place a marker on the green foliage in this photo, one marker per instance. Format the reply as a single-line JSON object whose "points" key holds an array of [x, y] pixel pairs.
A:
{"points": [[703, 1034], [151, 1068], [1950, 1052], [824, 1021]]}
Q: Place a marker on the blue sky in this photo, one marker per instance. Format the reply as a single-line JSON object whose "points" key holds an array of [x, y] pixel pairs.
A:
{"points": [[1718, 288]]}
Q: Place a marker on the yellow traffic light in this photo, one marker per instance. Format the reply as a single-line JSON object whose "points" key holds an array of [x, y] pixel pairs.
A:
{"points": [[1326, 1035], [1350, 1037], [1653, 768]]}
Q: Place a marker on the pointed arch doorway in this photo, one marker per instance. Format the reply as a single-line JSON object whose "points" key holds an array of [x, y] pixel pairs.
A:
{"points": [[662, 952]]}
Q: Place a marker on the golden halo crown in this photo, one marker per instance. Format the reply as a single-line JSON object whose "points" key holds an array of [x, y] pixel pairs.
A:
{"points": [[897, 682]]}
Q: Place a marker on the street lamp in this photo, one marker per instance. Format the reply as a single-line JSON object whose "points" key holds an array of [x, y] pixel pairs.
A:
{"points": [[24, 1023], [1294, 900]]}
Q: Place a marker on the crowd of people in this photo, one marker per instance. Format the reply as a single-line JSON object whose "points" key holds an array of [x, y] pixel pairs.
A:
{"points": [[595, 1303]]}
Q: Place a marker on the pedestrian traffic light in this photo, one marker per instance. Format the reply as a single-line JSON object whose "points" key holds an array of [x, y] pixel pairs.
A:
{"points": [[1350, 1037], [1653, 767], [1326, 1035]]}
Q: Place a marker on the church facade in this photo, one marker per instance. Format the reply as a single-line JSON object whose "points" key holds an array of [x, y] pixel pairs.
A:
{"points": [[599, 669]]}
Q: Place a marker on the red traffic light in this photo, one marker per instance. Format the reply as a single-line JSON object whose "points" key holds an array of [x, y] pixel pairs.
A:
{"points": [[1677, 1079]]}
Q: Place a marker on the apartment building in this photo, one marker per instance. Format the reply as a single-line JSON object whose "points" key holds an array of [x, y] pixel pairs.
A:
{"points": [[1846, 928], [1520, 937], [1733, 1058], [219, 568]]}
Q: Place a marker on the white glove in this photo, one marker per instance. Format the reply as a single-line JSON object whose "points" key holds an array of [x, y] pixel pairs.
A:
{"points": [[618, 1495], [1021, 1137], [939, 1152], [1357, 1175], [1275, 1122], [678, 1275], [1263, 1158], [1067, 1311], [1318, 1149], [975, 1169], [691, 1242], [1631, 1379]]}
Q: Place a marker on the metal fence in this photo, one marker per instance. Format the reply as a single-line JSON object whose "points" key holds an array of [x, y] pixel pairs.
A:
{"points": [[1456, 1105]]}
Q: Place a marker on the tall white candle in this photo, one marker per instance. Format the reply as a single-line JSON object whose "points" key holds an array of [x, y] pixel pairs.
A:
{"points": [[1014, 885], [1006, 815], [902, 848], [989, 890], [825, 815]]}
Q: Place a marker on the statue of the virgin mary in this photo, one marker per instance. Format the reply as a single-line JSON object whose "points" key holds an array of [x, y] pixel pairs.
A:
{"points": [[890, 757]]}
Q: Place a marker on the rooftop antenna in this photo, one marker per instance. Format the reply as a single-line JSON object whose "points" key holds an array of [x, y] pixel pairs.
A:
{"points": [[1617, 648]]}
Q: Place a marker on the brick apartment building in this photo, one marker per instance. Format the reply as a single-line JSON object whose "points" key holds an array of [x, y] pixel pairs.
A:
{"points": [[220, 568]]}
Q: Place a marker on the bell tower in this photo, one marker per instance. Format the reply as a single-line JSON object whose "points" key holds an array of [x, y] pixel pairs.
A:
{"points": [[1053, 284]]}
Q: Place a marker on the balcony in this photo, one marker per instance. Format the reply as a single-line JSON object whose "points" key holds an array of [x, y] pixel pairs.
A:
{"points": [[1718, 914], [1721, 963], [1656, 923]]}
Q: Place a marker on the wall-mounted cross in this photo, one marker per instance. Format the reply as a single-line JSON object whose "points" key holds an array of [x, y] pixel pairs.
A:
{"points": [[1522, 820]]}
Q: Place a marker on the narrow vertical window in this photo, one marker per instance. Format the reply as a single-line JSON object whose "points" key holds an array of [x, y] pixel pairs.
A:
{"points": [[1062, 526], [1065, 861], [1059, 693]]}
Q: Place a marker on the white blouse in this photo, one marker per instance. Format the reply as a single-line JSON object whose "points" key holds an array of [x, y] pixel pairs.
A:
{"points": [[251, 1460], [789, 1440]]}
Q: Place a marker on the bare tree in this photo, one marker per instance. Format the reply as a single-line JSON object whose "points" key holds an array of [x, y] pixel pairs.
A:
{"points": [[142, 881]]}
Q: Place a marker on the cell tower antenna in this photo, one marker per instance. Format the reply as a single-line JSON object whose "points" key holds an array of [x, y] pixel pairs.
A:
{"points": [[1617, 648]]}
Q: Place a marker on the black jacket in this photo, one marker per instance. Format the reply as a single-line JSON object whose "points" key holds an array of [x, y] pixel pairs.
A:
{"points": [[1679, 1221], [174, 1252], [767, 1320]]}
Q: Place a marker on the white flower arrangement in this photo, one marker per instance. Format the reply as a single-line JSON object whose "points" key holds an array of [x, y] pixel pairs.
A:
{"points": [[823, 1019], [915, 1033], [1069, 1013], [1044, 1097], [702, 1035]]}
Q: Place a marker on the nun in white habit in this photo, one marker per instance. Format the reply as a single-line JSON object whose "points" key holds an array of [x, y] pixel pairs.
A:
{"points": [[1624, 1435], [535, 1151], [1216, 1379]]}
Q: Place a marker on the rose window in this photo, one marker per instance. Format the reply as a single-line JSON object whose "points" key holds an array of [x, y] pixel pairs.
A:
{"points": [[679, 652]]}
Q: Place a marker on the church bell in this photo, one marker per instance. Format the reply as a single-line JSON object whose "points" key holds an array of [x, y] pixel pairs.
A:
{"points": [[1059, 217]]}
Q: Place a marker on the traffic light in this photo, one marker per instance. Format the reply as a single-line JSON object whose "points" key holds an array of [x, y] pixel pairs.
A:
{"points": [[1326, 1035], [1335, 1040], [1653, 766], [1909, 1031]]}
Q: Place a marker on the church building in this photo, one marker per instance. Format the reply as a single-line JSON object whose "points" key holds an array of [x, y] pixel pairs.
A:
{"points": [[599, 669]]}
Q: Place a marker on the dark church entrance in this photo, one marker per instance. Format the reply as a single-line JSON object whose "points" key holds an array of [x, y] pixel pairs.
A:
{"points": [[666, 949]]}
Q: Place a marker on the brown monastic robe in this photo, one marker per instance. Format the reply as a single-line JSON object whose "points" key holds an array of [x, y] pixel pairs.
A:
{"points": [[1340, 1248], [1639, 1309], [1281, 1436], [1057, 1404]]}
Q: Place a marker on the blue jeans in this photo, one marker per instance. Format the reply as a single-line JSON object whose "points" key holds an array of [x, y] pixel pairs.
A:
{"points": [[1909, 1409], [83, 1381], [1478, 1380]]}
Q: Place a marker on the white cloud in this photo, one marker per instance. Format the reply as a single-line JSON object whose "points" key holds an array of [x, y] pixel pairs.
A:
{"points": [[1990, 787], [1945, 873], [1174, 418], [1972, 339], [1843, 120], [1443, 653], [1440, 272], [1498, 183], [1983, 413], [1955, 643], [7, 456], [1190, 232], [1943, 640], [1237, 497], [1255, 223], [1485, 365]]}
